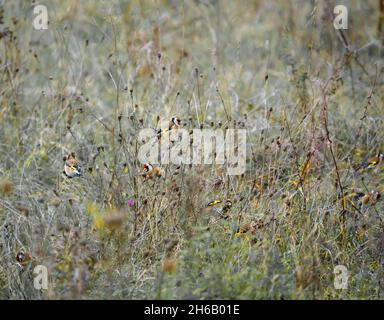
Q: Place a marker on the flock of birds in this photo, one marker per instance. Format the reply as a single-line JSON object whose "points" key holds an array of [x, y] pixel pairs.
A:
{"points": [[222, 207], [371, 197], [73, 169]]}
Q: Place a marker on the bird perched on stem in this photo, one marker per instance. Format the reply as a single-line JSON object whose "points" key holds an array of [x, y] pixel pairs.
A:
{"points": [[221, 207], [368, 198], [71, 166], [23, 258], [251, 227], [361, 198], [150, 171], [373, 162], [174, 123]]}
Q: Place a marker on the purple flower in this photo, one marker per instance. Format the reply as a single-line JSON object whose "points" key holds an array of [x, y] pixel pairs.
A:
{"points": [[131, 202]]}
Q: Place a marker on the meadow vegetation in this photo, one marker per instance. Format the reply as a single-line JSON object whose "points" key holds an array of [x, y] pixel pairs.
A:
{"points": [[310, 97]]}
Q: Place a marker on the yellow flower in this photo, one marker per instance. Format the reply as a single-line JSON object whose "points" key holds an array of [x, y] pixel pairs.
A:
{"points": [[90, 208], [358, 154], [98, 221], [295, 183]]}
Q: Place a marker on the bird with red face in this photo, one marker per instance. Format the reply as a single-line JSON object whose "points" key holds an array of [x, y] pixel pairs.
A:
{"points": [[71, 166], [150, 171]]}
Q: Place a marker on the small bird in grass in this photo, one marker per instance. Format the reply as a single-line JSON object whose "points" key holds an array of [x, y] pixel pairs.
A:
{"points": [[173, 124], [150, 171], [71, 166], [23, 258], [251, 227], [368, 198], [221, 207], [373, 162], [361, 198]]}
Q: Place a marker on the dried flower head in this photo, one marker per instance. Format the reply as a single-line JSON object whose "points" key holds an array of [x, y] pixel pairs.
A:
{"points": [[6, 187], [113, 219], [169, 265]]}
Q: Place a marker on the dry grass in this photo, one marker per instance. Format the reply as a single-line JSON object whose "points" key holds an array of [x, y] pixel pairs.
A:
{"points": [[310, 99]]}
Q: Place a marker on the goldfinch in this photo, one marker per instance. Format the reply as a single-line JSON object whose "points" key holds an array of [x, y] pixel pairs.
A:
{"points": [[374, 162], [173, 124], [251, 227], [368, 198], [23, 258], [361, 198], [71, 166], [150, 171], [221, 207]]}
